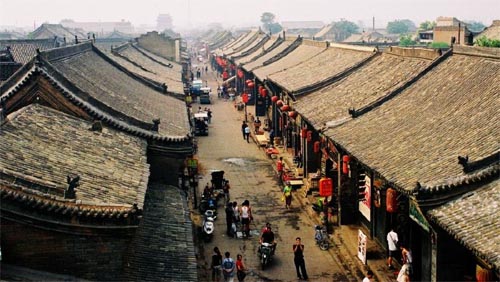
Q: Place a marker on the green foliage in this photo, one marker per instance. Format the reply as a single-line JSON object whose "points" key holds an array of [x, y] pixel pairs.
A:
{"points": [[267, 20], [486, 42], [400, 26], [406, 40], [427, 25], [344, 29], [475, 26], [274, 28], [439, 45]]}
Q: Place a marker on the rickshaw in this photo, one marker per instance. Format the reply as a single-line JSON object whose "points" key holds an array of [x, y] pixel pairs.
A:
{"points": [[201, 124]]}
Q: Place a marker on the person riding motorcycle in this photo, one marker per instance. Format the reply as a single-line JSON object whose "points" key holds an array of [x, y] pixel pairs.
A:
{"points": [[267, 236]]}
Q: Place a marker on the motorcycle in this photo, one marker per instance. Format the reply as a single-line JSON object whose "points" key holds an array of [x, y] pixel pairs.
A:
{"points": [[265, 254], [208, 225], [208, 203], [321, 237]]}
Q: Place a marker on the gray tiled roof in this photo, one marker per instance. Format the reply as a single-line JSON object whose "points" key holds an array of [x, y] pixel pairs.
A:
{"points": [[163, 248], [176, 67], [23, 50], [259, 41], [372, 81], [258, 52], [330, 62], [109, 85], [473, 220], [259, 62], [48, 31], [249, 40], [453, 110], [42, 146], [150, 71], [304, 52], [230, 46]]}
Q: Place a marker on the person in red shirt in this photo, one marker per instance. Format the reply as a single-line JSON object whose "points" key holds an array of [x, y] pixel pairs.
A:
{"points": [[280, 167], [240, 268]]}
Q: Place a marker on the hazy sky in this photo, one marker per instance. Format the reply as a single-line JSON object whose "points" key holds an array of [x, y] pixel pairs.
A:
{"points": [[230, 13]]}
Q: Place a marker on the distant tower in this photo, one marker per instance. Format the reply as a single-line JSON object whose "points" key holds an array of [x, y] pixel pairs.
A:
{"points": [[164, 21], [373, 24]]}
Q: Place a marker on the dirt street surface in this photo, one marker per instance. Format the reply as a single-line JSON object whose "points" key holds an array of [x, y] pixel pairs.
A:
{"points": [[252, 177]]}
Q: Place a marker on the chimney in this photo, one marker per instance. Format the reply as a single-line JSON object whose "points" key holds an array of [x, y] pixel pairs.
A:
{"points": [[373, 24], [93, 37], [156, 125], [76, 39]]}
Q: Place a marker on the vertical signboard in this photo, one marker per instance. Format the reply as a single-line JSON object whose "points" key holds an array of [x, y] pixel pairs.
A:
{"points": [[362, 246], [364, 204]]}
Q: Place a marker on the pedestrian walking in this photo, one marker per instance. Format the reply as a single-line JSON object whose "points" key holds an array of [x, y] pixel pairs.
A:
{"points": [[298, 259], [392, 241], [287, 193], [368, 277], [247, 134], [243, 126], [216, 264], [229, 219], [240, 268], [404, 274], [406, 258], [209, 115], [271, 137], [246, 217], [228, 268], [280, 166]]}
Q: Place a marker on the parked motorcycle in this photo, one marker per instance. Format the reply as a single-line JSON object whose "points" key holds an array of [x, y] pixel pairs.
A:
{"points": [[321, 237], [265, 254], [208, 225]]}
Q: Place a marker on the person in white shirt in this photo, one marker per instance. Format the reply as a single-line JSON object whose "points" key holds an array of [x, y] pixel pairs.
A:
{"points": [[392, 241], [368, 277]]}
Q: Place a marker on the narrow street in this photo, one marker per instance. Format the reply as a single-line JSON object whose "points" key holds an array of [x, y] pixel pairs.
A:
{"points": [[252, 177]]}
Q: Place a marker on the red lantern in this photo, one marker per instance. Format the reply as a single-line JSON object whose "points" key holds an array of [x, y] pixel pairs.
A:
{"points": [[316, 146], [244, 98], [260, 89], [292, 114], [250, 84], [225, 75], [285, 108], [309, 136], [303, 132], [264, 92], [240, 73], [325, 187], [279, 103], [391, 201], [345, 164], [274, 99]]}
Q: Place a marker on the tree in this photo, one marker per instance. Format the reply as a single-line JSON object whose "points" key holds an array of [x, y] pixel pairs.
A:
{"points": [[400, 26], [406, 40], [267, 20], [427, 25], [475, 26], [344, 29], [486, 42]]}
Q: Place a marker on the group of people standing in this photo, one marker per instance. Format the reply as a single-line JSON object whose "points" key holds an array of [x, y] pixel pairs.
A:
{"points": [[227, 266], [238, 215], [396, 248]]}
